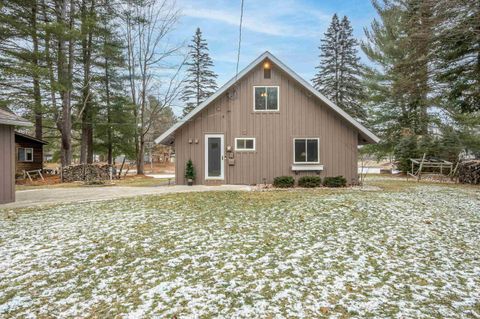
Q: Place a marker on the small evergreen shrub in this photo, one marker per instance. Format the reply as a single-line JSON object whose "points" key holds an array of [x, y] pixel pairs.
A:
{"points": [[283, 181], [310, 181], [337, 181], [190, 170]]}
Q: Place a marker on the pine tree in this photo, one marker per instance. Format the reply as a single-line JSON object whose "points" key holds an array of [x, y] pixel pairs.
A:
{"points": [[327, 79], [399, 84], [201, 80], [190, 170], [457, 50], [351, 93], [339, 72]]}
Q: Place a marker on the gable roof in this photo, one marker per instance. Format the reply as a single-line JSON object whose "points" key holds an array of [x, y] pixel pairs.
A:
{"points": [[7, 117], [167, 137], [31, 138]]}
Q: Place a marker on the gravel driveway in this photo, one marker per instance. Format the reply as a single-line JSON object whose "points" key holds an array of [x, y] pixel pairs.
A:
{"points": [[38, 197]]}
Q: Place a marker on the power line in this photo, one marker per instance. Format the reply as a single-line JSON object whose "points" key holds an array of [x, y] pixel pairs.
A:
{"points": [[239, 39]]}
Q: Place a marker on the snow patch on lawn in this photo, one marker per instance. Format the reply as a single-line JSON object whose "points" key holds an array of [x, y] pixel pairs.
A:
{"points": [[410, 253]]}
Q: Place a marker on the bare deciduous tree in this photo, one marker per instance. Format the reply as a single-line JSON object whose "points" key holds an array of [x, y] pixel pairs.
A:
{"points": [[147, 26]]}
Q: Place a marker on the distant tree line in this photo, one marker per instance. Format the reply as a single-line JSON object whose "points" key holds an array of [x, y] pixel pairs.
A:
{"points": [[94, 75]]}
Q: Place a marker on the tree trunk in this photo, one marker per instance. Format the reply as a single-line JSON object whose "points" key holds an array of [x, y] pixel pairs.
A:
{"points": [[90, 142], [109, 118], [131, 78], [86, 144], [63, 121], [65, 67], [141, 156], [36, 78], [48, 59]]}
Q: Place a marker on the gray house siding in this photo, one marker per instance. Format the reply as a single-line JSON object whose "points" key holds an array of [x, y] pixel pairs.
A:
{"points": [[7, 164], [300, 115]]}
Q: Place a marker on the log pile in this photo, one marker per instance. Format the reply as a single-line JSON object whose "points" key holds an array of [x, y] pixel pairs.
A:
{"points": [[86, 172], [469, 172]]}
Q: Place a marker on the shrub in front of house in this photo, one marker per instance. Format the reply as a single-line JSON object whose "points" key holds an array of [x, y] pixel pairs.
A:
{"points": [[283, 181], [337, 181], [190, 172], [310, 181]]}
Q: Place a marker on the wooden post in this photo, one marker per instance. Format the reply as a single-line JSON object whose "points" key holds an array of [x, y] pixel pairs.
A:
{"points": [[121, 167], [420, 168], [413, 171]]}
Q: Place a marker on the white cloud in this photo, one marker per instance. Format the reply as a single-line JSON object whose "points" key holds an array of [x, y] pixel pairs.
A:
{"points": [[274, 18]]}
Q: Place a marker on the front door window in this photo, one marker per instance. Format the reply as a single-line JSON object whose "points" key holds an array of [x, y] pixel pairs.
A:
{"points": [[214, 157], [214, 154]]}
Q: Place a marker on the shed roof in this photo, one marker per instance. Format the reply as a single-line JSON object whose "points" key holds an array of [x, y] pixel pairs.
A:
{"points": [[167, 137], [7, 117], [28, 137]]}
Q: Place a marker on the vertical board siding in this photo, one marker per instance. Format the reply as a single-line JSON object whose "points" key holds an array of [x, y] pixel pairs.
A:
{"points": [[7, 164], [300, 115], [37, 162]]}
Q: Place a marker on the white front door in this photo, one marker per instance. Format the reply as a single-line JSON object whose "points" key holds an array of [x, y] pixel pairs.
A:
{"points": [[214, 155]]}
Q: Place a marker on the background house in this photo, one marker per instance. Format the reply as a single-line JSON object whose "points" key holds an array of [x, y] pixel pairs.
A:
{"points": [[8, 121], [28, 152]]}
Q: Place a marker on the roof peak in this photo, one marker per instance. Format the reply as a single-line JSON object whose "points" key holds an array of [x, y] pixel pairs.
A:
{"points": [[367, 135]]}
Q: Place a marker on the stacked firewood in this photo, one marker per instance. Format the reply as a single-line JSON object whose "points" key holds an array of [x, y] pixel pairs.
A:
{"points": [[469, 172], [86, 172]]}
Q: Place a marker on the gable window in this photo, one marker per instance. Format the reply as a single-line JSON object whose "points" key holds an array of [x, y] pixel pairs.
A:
{"points": [[245, 144], [25, 154], [305, 150], [266, 98], [267, 74]]}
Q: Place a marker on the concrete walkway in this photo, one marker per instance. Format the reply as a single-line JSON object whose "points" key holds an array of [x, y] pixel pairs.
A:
{"points": [[48, 196]]}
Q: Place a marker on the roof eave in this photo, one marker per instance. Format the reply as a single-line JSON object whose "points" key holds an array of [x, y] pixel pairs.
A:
{"points": [[15, 122], [31, 138]]}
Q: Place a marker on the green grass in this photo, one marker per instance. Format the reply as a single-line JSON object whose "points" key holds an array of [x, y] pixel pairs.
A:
{"points": [[400, 250]]}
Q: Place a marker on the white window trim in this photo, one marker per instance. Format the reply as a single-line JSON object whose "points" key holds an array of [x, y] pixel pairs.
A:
{"points": [[278, 97], [318, 150], [222, 157], [245, 149], [25, 154]]}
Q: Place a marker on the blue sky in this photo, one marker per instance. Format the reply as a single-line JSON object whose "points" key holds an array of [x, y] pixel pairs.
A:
{"points": [[289, 29]]}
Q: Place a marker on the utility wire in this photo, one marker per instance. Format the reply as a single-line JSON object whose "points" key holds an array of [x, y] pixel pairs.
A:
{"points": [[239, 39]]}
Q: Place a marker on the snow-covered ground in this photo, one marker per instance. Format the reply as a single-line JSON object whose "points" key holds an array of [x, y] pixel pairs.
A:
{"points": [[406, 251]]}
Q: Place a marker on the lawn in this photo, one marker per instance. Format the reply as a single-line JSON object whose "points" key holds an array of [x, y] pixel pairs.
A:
{"points": [[406, 250]]}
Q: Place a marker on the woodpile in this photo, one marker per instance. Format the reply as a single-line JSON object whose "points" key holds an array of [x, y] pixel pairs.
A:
{"points": [[469, 172], [86, 172]]}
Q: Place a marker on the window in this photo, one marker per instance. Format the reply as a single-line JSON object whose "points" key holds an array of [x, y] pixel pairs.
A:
{"points": [[266, 98], [267, 74], [245, 144], [305, 150], [25, 154]]}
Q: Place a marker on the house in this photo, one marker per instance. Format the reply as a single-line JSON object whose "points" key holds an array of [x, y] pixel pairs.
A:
{"points": [[29, 153], [266, 122], [8, 121]]}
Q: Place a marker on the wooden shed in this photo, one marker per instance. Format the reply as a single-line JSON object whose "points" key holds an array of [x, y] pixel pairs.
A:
{"points": [[28, 152], [8, 121]]}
